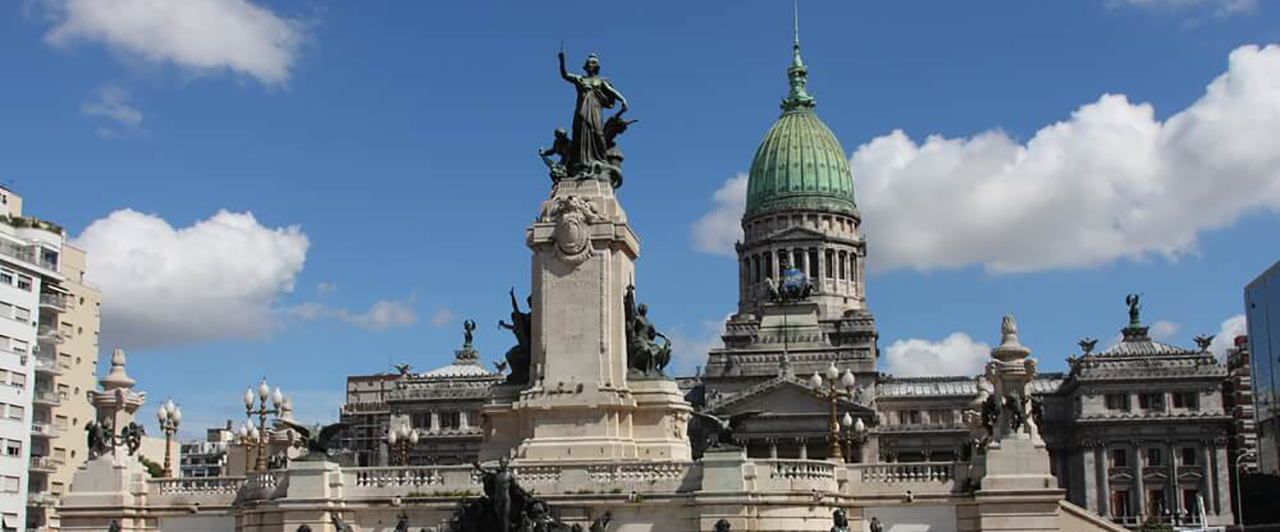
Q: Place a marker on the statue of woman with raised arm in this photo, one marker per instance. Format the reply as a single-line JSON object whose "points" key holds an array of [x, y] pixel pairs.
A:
{"points": [[590, 144]]}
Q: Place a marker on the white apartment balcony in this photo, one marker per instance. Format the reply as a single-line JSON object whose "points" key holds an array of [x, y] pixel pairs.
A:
{"points": [[44, 464], [46, 398], [47, 430], [46, 333], [48, 366], [56, 302]]}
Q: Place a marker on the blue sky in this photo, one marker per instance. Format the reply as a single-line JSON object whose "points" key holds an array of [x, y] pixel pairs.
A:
{"points": [[386, 154]]}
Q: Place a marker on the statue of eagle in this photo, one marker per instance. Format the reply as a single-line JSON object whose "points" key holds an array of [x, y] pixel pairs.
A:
{"points": [[318, 439], [707, 431]]}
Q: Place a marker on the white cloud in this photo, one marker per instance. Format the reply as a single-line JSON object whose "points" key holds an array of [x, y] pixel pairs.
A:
{"points": [[218, 279], [718, 230], [442, 317], [1226, 337], [111, 102], [689, 349], [1221, 8], [324, 289], [1110, 182], [957, 354], [1163, 331], [382, 316], [200, 36]]}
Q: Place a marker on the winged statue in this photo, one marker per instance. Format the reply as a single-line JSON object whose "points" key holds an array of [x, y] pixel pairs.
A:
{"points": [[707, 431], [318, 438]]}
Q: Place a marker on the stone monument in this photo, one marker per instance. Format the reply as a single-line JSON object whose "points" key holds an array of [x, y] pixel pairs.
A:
{"points": [[579, 402], [1017, 490]]}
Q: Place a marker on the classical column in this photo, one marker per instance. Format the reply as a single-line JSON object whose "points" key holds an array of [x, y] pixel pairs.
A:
{"points": [[435, 421], [462, 420], [804, 448], [1138, 484], [1175, 505], [773, 448]]}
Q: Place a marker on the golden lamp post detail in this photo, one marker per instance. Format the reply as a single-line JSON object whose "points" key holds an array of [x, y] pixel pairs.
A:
{"points": [[169, 415], [833, 388], [278, 403], [400, 442]]}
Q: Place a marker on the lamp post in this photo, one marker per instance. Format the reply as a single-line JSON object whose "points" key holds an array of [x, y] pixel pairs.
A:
{"points": [[836, 386], [277, 400], [400, 442], [1240, 487], [854, 436], [169, 415], [249, 438]]}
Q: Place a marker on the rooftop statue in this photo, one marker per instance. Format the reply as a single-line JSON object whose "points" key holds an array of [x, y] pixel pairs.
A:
{"points": [[646, 356], [468, 333], [592, 152], [1135, 309], [521, 355], [794, 285]]}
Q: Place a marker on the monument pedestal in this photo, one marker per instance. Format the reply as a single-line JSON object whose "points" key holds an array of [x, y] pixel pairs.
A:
{"points": [[578, 404]]}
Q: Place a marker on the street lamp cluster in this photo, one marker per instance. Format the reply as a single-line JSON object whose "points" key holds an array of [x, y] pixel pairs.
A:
{"points": [[400, 442], [169, 415], [833, 388], [257, 436]]}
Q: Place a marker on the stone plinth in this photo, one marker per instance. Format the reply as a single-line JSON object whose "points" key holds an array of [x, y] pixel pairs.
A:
{"points": [[790, 323], [661, 420], [107, 488]]}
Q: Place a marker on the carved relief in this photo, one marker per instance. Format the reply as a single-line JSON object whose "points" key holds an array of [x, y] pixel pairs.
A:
{"points": [[573, 217]]}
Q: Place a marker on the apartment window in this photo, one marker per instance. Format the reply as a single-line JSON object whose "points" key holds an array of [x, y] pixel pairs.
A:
{"points": [[18, 380], [17, 412], [1119, 458], [13, 448], [11, 484], [1154, 456], [1189, 456], [1188, 400], [60, 421], [60, 454], [18, 346], [6, 277], [21, 314], [1118, 401], [1151, 401], [6, 310], [24, 283]]}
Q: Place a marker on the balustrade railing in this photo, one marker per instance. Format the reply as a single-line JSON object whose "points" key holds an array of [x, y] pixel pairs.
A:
{"points": [[801, 469], [382, 477], [198, 485], [907, 472], [625, 473]]}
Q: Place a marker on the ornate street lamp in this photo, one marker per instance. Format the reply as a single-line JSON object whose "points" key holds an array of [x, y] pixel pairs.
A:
{"points": [[249, 439], [277, 402], [169, 415], [835, 387], [400, 442]]}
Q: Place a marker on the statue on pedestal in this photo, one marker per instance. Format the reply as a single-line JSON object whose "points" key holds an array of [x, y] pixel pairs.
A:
{"points": [[507, 507], [519, 356], [591, 152], [723, 526], [645, 355], [793, 286]]}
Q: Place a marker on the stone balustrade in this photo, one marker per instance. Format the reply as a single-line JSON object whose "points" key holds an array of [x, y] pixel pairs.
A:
{"points": [[918, 477], [796, 475], [196, 485], [573, 478]]}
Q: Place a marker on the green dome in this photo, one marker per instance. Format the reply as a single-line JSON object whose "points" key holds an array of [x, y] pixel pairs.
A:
{"points": [[800, 163]]}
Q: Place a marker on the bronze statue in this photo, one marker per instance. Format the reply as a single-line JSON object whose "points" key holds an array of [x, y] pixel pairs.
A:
{"points": [[707, 431], [113, 526], [521, 355], [131, 436], [402, 522], [468, 333], [1087, 344], [1016, 416], [991, 415], [589, 146], [645, 355], [1134, 308], [723, 525], [559, 147], [339, 524], [99, 440], [499, 487], [317, 439], [1203, 341], [839, 521], [304, 528], [876, 526]]}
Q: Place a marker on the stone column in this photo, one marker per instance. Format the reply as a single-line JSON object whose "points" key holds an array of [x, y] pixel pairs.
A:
{"points": [[804, 448], [1175, 505], [462, 420], [435, 421], [1141, 506], [1092, 480], [1104, 481], [773, 448]]}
